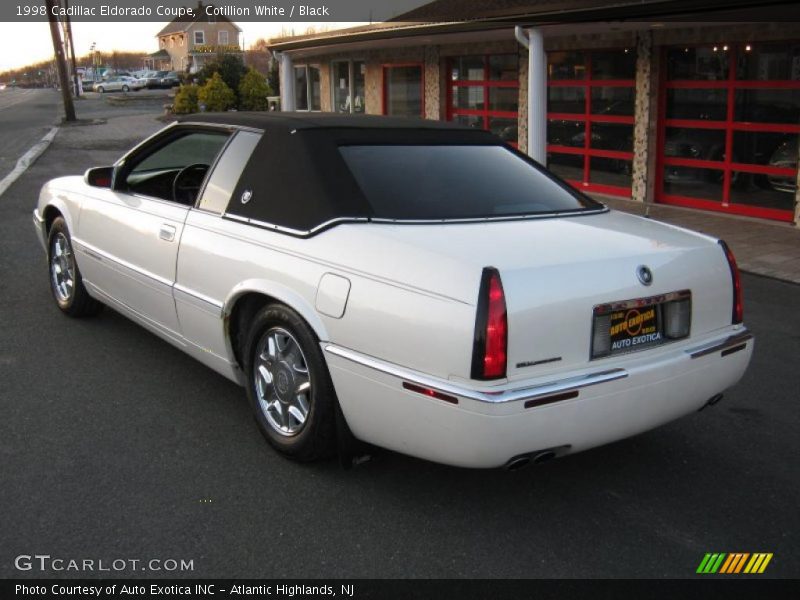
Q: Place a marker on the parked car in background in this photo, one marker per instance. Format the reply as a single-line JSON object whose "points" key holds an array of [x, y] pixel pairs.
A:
{"points": [[170, 80], [413, 284], [785, 157], [153, 79], [119, 84]]}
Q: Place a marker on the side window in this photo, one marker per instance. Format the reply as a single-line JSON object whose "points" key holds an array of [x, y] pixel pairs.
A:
{"points": [[175, 171], [226, 174]]}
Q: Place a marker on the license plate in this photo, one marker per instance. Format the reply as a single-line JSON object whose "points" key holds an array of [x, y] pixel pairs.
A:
{"points": [[635, 328], [641, 323]]}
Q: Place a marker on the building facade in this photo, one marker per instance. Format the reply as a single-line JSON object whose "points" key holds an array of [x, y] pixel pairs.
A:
{"points": [[186, 45], [701, 115]]}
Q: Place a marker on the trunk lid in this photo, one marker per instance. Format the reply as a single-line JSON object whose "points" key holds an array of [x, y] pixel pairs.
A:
{"points": [[554, 272]]}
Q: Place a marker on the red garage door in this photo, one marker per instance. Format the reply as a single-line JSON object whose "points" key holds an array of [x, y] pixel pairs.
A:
{"points": [[590, 108], [729, 120], [483, 92]]}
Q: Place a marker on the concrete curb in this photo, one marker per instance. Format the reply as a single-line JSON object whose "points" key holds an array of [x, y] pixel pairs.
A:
{"points": [[26, 160]]}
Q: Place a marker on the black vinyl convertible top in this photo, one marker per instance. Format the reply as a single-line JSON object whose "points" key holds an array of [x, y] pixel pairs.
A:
{"points": [[319, 120], [297, 178]]}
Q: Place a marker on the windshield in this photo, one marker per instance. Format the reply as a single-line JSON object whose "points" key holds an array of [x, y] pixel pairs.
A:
{"points": [[456, 182]]}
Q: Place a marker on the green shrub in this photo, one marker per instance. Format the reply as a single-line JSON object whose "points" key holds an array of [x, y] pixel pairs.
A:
{"points": [[229, 66], [215, 95], [186, 100], [253, 91]]}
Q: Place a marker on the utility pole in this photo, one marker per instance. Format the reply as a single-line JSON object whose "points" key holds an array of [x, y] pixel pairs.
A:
{"points": [[69, 107], [68, 30]]}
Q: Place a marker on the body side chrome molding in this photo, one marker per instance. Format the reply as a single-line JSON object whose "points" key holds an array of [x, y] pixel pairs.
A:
{"points": [[190, 296], [383, 221], [95, 252], [186, 294], [468, 220], [289, 230], [737, 339], [479, 395]]}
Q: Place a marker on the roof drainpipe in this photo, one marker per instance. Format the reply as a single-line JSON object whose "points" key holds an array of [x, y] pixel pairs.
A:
{"points": [[287, 81], [537, 92]]}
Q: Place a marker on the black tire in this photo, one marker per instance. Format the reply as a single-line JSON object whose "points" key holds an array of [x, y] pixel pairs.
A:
{"points": [[316, 438], [101, 89], [76, 302], [126, 89]]}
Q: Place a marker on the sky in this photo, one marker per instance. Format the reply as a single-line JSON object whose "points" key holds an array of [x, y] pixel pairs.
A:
{"points": [[27, 43]]}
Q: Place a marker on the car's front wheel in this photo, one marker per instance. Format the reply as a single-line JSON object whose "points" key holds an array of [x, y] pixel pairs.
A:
{"points": [[65, 277], [101, 89], [289, 387], [126, 89]]}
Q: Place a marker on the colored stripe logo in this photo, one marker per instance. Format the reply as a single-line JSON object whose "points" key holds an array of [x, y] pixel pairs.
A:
{"points": [[734, 563]]}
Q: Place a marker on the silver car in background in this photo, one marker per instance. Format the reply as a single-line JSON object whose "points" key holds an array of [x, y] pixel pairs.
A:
{"points": [[122, 83]]}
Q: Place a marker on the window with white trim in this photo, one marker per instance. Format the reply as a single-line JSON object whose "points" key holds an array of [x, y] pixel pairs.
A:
{"points": [[200, 37], [222, 38]]}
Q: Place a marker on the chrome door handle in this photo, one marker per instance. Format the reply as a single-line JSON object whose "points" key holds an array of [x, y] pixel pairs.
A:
{"points": [[167, 232]]}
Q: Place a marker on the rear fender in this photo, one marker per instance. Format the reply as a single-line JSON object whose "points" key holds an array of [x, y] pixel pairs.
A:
{"points": [[280, 293]]}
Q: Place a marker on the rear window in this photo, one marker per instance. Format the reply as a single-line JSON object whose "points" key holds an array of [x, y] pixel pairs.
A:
{"points": [[456, 182]]}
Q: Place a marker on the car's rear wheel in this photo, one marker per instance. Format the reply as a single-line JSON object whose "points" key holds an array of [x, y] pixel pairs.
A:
{"points": [[289, 387], [65, 277]]}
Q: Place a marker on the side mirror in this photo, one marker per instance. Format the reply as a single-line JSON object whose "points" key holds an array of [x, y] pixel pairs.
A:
{"points": [[99, 177]]}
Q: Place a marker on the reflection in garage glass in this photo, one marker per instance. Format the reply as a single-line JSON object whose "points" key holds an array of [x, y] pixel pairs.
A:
{"points": [[485, 93], [592, 112], [735, 107]]}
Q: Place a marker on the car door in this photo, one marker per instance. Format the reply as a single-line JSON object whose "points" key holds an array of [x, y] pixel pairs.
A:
{"points": [[130, 235]]}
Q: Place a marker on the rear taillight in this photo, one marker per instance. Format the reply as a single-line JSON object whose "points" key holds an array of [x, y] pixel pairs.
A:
{"points": [[737, 314], [491, 329]]}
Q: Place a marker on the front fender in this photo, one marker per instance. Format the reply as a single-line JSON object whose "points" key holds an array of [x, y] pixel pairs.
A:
{"points": [[66, 201]]}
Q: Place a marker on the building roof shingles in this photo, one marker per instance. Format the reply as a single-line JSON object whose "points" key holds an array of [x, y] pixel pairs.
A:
{"points": [[181, 24]]}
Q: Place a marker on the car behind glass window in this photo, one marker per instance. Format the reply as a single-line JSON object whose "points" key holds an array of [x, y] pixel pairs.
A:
{"points": [[455, 182]]}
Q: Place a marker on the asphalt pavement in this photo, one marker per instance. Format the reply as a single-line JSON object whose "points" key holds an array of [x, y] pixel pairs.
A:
{"points": [[113, 444], [26, 115]]}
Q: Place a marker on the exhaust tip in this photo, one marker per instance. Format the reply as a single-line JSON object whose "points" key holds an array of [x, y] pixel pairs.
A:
{"points": [[543, 457], [711, 401], [536, 457], [517, 463]]}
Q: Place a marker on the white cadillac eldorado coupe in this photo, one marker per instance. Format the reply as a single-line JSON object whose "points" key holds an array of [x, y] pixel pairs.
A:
{"points": [[410, 284]]}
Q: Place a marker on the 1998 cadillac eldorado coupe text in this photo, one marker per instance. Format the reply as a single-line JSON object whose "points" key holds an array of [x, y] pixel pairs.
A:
{"points": [[419, 286]]}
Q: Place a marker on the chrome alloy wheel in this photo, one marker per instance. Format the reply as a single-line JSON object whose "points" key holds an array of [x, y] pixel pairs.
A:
{"points": [[62, 268], [283, 384]]}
